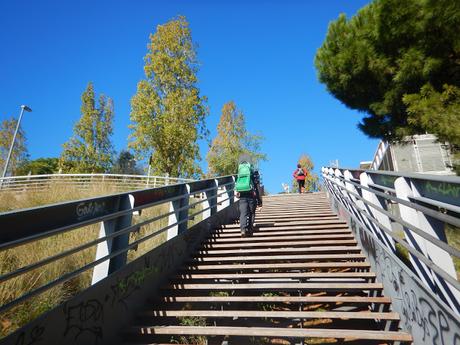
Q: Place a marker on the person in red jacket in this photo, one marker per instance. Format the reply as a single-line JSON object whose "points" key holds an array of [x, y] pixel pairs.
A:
{"points": [[300, 174]]}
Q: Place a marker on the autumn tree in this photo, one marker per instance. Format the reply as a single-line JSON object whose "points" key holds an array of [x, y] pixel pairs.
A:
{"points": [[311, 179], [90, 149], [398, 62], [167, 112], [20, 153], [232, 141]]}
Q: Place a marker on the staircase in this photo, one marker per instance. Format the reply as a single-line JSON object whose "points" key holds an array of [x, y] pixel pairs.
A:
{"points": [[300, 279]]}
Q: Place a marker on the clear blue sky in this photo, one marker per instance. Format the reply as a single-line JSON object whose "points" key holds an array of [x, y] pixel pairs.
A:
{"points": [[258, 53]]}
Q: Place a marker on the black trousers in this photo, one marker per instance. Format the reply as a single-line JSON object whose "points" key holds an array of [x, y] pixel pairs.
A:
{"points": [[247, 212], [301, 185]]}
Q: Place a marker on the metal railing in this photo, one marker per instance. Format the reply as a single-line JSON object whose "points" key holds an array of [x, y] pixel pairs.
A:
{"points": [[419, 206], [115, 213], [82, 181], [405, 216]]}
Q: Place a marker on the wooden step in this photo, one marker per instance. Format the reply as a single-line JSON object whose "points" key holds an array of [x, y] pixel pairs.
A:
{"points": [[278, 286], [331, 229], [278, 266], [274, 314], [271, 244], [304, 275], [258, 238], [281, 258], [277, 299], [246, 251], [145, 331]]}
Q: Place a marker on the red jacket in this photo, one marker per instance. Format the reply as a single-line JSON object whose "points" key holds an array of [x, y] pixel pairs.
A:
{"points": [[301, 177]]}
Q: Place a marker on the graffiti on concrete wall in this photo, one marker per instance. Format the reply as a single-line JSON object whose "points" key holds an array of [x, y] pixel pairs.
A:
{"points": [[127, 285], [421, 312], [32, 337], [84, 320]]}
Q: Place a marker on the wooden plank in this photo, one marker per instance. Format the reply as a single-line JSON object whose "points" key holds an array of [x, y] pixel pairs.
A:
{"points": [[245, 251], [277, 275], [311, 230], [270, 225], [282, 257], [299, 217], [214, 245], [273, 332], [275, 314], [278, 299], [281, 238], [278, 286], [277, 266]]}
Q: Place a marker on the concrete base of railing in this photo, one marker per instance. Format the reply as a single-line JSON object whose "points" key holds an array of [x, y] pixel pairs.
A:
{"points": [[97, 315]]}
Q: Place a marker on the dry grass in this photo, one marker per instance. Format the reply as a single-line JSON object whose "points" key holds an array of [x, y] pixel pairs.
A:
{"points": [[56, 193], [24, 255]]}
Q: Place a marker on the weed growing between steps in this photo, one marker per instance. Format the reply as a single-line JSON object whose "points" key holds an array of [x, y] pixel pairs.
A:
{"points": [[192, 339]]}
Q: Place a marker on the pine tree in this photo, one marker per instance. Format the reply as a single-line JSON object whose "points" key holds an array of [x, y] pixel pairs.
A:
{"points": [[167, 111], [19, 154], [232, 141], [90, 149], [390, 56]]}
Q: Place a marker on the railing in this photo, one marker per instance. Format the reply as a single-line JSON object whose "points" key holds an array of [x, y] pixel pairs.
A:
{"points": [[406, 216], [118, 216], [83, 181]]}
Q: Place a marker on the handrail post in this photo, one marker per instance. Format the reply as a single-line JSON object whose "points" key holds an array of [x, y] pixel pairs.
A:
{"points": [[365, 180], [179, 215], [114, 244], [227, 196], [405, 189], [211, 200]]}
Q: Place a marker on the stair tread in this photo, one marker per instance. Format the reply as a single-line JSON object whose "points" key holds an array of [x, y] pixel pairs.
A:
{"points": [[278, 332]]}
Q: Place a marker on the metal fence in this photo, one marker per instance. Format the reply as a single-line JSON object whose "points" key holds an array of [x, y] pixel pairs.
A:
{"points": [[84, 181], [401, 221], [116, 215]]}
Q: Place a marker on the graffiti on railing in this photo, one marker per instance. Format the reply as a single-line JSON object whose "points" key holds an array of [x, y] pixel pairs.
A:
{"points": [[442, 188], [90, 209]]}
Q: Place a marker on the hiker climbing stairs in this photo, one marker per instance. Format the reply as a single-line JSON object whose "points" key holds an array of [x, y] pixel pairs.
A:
{"points": [[301, 278]]}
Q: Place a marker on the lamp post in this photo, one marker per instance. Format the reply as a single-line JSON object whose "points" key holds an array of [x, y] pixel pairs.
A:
{"points": [[23, 108]]}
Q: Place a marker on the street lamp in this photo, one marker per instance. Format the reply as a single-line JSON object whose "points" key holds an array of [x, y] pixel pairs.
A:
{"points": [[23, 108]]}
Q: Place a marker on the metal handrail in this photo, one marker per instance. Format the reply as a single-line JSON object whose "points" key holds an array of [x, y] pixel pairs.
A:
{"points": [[203, 186], [414, 251], [39, 182], [418, 231], [420, 196]]}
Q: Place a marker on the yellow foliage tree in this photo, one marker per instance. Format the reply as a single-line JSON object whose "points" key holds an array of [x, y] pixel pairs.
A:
{"points": [[167, 112]]}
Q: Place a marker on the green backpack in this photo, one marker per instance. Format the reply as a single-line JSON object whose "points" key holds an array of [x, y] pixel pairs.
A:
{"points": [[243, 182]]}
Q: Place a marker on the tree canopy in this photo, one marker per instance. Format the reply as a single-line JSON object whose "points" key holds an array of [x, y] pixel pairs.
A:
{"points": [[39, 166], [126, 164], [20, 153], [399, 63], [167, 112], [232, 141], [90, 149]]}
